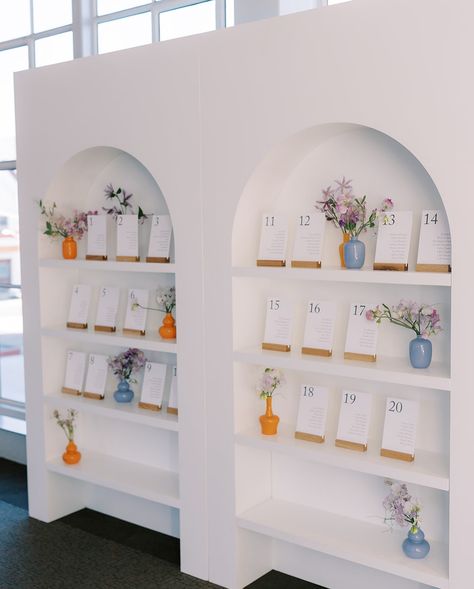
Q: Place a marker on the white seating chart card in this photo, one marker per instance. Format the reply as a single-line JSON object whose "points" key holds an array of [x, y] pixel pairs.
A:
{"points": [[354, 420], [307, 249], [312, 413], [278, 325], [434, 247], [361, 338], [173, 398], [96, 378], [75, 369], [96, 237], [106, 318], [153, 386], [393, 240], [319, 328], [160, 239], [79, 307], [127, 238], [135, 316], [399, 431], [273, 240]]}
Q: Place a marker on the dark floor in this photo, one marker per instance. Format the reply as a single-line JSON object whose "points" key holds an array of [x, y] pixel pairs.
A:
{"points": [[13, 490]]}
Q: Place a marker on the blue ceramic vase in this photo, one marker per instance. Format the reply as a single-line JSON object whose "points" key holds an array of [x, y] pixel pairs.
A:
{"points": [[415, 545], [124, 393], [354, 253], [420, 352]]}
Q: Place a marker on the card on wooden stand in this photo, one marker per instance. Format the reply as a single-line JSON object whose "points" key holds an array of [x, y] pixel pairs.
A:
{"points": [[319, 328], [354, 419], [106, 318], [135, 316], [307, 249], [273, 240], [153, 386], [96, 379], [79, 307], [434, 246], [393, 241], [173, 398], [312, 414], [127, 238], [399, 431], [361, 338], [160, 239], [278, 325], [75, 369], [96, 237]]}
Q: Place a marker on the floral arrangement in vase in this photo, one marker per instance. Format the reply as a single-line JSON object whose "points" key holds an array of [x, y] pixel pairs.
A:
{"points": [[121, 203], [270, 380], [166, 301], [69, 228], [403, 509], [423, 319], [67, 424], [349, 214], [123, 366]]}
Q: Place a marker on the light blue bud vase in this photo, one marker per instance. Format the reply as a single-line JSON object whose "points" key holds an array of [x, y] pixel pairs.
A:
{"points": [[354, 253], [124, 393], [420, 352], [415, 545]]}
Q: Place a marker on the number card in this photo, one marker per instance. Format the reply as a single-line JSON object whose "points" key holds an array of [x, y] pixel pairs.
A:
{"points": [[393, 241], [312, 413], [273, 241], [160, 239], [96, 237], [354, 419], [96, 376], [106, 318], [434, 247], [153, 386], [278, 325], [135, 316], [307, 249], [399, 431], [75, 369], [319, 328], [173, 400], [127, 238], [361, 338], [79, 308]]}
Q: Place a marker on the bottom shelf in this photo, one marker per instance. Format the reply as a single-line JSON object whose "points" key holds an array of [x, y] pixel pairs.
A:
{"points": [[357, 541], [154, 484]]}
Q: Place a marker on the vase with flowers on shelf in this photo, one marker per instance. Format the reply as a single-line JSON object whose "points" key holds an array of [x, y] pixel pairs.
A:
{"points": [[270, 380], [124, 366], [67, 424], [166, 301]]}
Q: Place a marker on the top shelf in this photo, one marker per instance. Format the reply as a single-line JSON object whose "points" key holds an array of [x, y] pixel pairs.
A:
{"points": [[336, 274], [108, 266]]}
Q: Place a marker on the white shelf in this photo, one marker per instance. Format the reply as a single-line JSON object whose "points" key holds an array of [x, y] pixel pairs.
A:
{"points": [[125, 476], [357, 541], [107, 407], [108, 266], [429, 469], [147, 342], [385, 369], [336, 274]]}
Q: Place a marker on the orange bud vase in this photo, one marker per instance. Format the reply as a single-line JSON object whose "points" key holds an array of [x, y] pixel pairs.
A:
{"points": [[346, 237], [269, 421], [168, 329], [72, 455], [69, 248]]}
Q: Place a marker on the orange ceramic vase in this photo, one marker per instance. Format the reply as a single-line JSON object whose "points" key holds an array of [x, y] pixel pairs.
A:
{"points": [[168, 329], [269, 421], [71, 456], [346, 237], [69, 248]]}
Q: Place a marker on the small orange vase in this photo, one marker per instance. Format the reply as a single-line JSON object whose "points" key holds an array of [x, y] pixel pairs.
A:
{"points": [[346, 237], [72, 455], [168, 329], [69, 248], [269, 421]]}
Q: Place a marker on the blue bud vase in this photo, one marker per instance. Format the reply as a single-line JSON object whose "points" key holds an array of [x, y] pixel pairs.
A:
{"points": [[420, 352], [415, 545], [354, 253], [124, 393]]}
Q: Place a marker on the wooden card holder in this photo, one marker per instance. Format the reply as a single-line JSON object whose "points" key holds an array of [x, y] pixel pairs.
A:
{"points": [[305, 264], [127, 331], [149, 406], [173, 410], [106, 328], [274, 263], [276, 347], [69, 391], [433, 267], [152, 260], [309, 437], [396, 267], [73, 325], [316, 352], [95, 258], [351, 445], [361, 357], [397, 455], [95, 396], [128, 258]]}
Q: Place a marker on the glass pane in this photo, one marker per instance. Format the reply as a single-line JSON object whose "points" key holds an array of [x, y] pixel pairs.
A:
{"points": [[51, 14], [107, 6], [124, 32], [53, 49], [198, 18], [11, 60], [229, 13], [14, 19]]}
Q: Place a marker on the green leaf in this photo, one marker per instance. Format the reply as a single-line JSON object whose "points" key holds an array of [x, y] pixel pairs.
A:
{"points": [[140, 213]]}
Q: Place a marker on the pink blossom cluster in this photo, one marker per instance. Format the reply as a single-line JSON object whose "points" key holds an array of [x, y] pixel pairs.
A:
{"points": [[270, 379], [61, 226], [400, 507], [423, 319], [126, 363]]}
